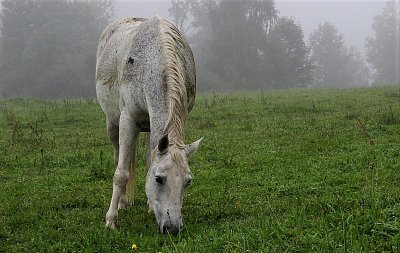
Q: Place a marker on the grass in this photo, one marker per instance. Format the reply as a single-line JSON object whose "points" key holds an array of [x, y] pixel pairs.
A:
{"points": [[281, 171]]}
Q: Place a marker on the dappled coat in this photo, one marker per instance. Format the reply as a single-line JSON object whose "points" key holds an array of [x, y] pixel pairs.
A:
{"points": [[146, 82], [131, 41]]}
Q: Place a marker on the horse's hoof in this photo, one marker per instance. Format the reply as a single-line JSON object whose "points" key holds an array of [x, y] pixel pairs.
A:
{"points": [[110, 220], [123, 202], [122, 205], [110, 224]]}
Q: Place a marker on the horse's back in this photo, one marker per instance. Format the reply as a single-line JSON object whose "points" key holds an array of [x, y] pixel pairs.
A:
{"points": [[114, 39], [130, 57]]}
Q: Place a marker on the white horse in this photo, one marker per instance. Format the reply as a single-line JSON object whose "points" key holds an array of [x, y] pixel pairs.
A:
{"points": [[146, 82]]}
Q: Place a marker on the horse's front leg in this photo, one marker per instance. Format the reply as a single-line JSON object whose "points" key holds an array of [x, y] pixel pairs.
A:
{"points": [[113, 133], [128, 133]]}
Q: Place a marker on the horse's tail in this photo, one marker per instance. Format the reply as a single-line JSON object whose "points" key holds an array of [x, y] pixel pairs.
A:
{"points": [[130, 185]]}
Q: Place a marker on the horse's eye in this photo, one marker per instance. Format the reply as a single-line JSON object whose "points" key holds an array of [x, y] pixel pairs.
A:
{"points": [[160, 179]]}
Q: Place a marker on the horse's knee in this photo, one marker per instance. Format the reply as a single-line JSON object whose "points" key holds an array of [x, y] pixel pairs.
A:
{"points": [[121, 177]]}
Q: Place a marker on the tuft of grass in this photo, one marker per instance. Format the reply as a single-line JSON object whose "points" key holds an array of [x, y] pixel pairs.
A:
{"points": [[389, 117], [295, 170]]}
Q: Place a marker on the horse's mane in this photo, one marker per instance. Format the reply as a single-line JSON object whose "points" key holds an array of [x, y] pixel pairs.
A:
{"points": [[171, 45], [171, 41]]}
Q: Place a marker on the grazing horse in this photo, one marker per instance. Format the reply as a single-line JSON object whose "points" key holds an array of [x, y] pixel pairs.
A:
{"points": [[146, 82]]}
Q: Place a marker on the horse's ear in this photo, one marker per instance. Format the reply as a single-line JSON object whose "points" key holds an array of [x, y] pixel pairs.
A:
{"points": [[163, 144], [191, 148]]}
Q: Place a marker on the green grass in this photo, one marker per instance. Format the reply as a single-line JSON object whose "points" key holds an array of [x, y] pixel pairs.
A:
{"points": [[281, 171]]}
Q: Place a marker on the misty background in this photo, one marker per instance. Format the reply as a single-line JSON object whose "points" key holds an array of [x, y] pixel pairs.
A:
{"points": [[48, 48]]}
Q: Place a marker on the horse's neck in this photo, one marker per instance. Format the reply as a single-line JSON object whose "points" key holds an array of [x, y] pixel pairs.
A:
{"points": [[175, 123], [167, 123], [174, 80], [176, 138]]}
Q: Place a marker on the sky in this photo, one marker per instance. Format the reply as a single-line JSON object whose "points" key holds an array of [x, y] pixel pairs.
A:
{"points": [[352, 18]]}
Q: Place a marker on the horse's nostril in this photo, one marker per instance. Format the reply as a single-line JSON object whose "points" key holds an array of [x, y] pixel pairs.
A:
{"points": [[170, 229], [173, 230]]}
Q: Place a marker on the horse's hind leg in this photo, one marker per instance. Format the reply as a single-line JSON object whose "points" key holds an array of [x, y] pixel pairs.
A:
{"points": [[128, 134], [113, 134]]}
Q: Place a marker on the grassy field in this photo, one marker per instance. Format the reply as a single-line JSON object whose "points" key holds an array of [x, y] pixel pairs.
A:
{"points": [[281, 171]]}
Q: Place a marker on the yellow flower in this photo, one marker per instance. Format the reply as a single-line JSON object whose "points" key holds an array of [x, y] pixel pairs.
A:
{"points": [[134, 247]]}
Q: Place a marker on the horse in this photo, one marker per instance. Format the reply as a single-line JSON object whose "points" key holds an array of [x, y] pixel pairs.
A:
{"points": [[146, 82]]}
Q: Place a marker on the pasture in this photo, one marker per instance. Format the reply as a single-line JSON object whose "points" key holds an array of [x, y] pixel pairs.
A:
{"points": [[278, 171]]}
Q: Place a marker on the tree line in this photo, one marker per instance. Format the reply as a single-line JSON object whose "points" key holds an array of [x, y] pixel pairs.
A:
{"points": [[244, 44], [247, 44], [48, 48]]}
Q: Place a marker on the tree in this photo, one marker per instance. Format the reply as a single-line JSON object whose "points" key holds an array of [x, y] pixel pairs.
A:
{"points": [[287, 55], [180, 11], [236, 35], [383, 47], [335, 64], [49, 46], [230, 33], [243, 44], [357, 71]]}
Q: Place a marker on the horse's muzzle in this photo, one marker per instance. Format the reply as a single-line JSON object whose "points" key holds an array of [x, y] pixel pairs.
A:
{"points": [[170, 228]]}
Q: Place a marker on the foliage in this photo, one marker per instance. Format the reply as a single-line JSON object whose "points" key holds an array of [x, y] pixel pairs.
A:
{"points": [[49, 46], [288, 58], [335, 64], [243, 44], [232, 49], [383, 48], [285, 171], [180, 11]]}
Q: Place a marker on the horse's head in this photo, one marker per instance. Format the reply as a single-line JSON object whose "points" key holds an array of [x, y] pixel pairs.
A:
{"points": [[167, 179]]}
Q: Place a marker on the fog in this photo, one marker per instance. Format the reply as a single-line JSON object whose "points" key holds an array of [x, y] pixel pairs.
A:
{"points": [[47, 48], [352, 18]]}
